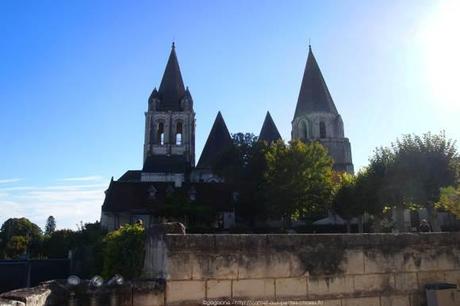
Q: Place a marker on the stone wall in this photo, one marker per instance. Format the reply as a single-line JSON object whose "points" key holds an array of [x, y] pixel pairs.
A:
{"points": [[328, 270], [350, 269]]}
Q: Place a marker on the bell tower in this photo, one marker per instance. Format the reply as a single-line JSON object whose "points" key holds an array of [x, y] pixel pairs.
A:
{"points": [[169, 145], [316, 118]]}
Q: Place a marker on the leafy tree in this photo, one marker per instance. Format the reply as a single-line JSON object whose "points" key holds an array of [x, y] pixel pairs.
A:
{"points": [[50, 226], [16, 246], [244, 166], [124, 251], [412, 172], [21, 227], [345, 202], [59, 243], [450, 200], [299, 179]]}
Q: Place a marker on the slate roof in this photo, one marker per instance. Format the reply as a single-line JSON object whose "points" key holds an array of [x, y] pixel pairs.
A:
{"points": [[269, 132], [165, 163], [136, 197], [219, 141], [314, 95], [131, 175], [172, 88]]}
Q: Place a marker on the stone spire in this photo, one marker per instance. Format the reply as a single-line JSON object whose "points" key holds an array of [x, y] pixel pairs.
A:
{"points": [[172, 88], [219, 140], [314, 95], [269, 132]]}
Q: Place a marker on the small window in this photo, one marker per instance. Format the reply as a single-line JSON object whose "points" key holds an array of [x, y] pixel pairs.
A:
{"points": [[303, 130], [179, 133], [161, 133], [322, 130]]}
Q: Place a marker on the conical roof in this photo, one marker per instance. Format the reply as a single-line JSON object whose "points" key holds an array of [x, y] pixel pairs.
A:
{"points": [[219, 141], [269, 132], [172, 88], [314, 95]]}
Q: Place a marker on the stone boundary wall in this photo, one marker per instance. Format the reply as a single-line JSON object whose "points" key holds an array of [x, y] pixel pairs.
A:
{"points": [[326, 269]]}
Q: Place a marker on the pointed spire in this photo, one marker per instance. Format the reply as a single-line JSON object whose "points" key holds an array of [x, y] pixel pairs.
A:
{"points": [[219, 141], [269, 132], [172, 88], [314, 95]]}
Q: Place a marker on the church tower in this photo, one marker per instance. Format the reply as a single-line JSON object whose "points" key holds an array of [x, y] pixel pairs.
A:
{"points": [[316, 118], [169, 146]]}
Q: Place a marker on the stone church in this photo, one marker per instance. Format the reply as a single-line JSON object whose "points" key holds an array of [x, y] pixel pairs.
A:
{"points": [[169, 149]]}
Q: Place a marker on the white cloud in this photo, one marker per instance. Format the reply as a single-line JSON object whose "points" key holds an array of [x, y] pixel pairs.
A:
{"points": [[83, 178], [9, 180], [68, 203]]}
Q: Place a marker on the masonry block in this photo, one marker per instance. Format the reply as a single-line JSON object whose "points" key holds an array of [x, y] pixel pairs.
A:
{"points": [[291, 287], [366, 301], [373, 282], [200, 266], [147, 293], [218, 289], [429, 277], [179, 266], [190, 291], [395, 300], [330, 303], [453, 277], [223, 266], [254, 288], [353, 262], [406, 281], [329, 285]]}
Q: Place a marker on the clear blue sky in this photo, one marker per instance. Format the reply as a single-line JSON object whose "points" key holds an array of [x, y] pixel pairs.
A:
{"points": [[75, 77]]}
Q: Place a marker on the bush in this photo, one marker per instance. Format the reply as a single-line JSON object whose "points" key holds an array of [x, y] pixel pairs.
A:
{"points": [[124, 251]]}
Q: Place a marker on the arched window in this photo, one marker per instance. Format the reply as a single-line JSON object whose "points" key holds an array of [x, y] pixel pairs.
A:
{"points": [[303, 130], [179, 133], [322, 130], [161, 133]]}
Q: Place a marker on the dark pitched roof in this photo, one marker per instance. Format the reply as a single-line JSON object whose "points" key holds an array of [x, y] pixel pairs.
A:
{"points": [[269, 132], [149, 197], [172, 88], [131, 175], [314, 95], [165, 164], [219, 140]]}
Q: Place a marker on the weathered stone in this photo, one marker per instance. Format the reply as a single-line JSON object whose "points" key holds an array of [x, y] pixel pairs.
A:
{"points": [[365, 301], [453, 277], [185, 291], [254, 288], [223, 266], [406, 281], [373, 282], [353, 262], [395, 300], [290, 287], [338, 285], [4, 302], [179, 266], [429, 277], [218, 289], [148, 293], [35, 296]]}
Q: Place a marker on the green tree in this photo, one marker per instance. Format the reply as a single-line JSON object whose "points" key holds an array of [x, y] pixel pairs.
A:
{"points": [[22, 227], [16, 246], [58, 243], [450, 200], [50, 226], [124, 251], [299, 179], [244, 167], [345, 202], [412, 172]]}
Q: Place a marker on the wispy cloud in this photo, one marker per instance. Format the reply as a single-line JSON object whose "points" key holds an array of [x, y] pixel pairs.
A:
{"points": [[69, 202], [83, 178], [9, 180]]}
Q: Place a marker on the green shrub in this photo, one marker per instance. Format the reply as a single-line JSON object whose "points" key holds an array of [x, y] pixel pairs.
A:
{"points": [[124, 251]]}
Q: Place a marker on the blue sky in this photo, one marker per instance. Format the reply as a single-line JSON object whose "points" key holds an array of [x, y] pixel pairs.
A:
{"points": [[75, 77]]}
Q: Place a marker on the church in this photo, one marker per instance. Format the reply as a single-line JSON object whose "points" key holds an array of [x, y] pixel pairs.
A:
{"points": [[169, 149]]}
